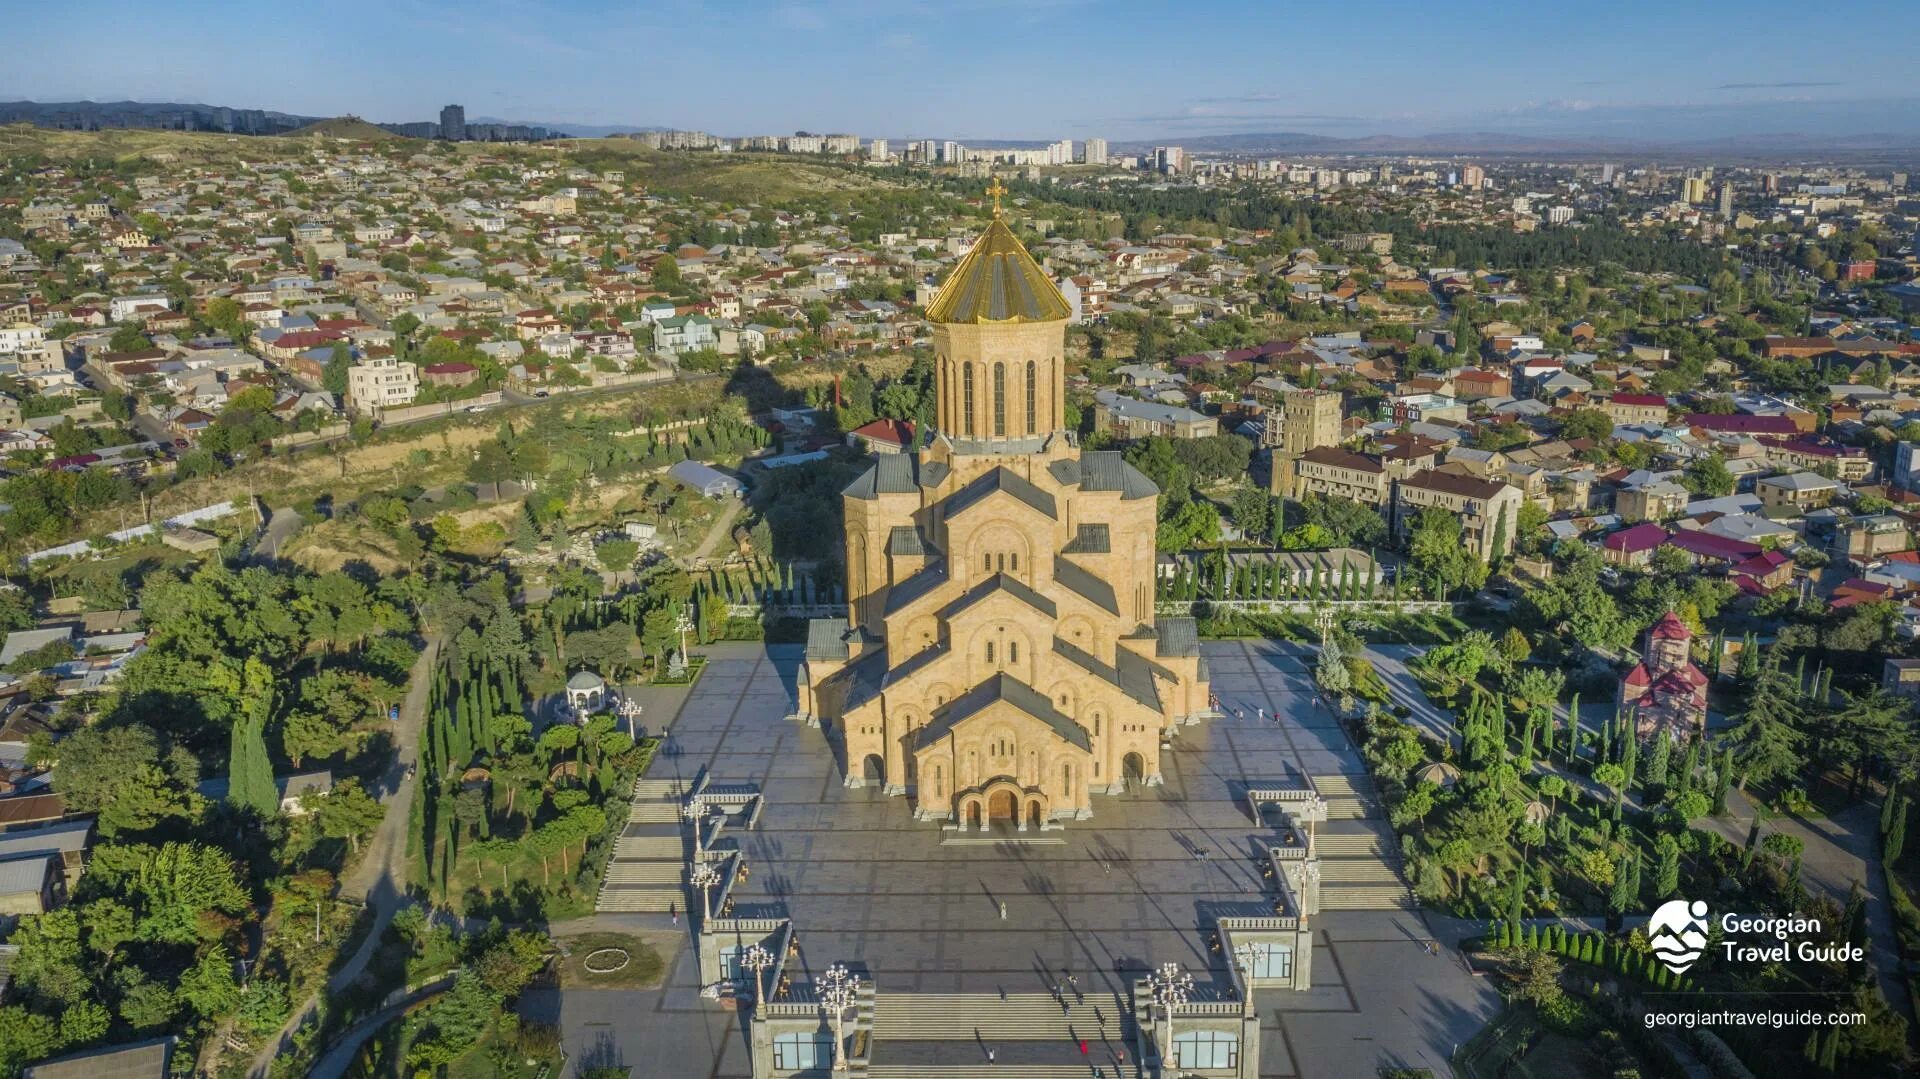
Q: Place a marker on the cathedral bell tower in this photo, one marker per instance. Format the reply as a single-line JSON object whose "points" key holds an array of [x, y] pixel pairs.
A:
{"points": [[999, 343]]}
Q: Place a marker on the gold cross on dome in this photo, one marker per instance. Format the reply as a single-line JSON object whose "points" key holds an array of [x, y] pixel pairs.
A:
{"points": [[995, 189]]}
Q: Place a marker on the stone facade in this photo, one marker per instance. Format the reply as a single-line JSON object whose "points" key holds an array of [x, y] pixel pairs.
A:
{"points": [[1001, 659]]}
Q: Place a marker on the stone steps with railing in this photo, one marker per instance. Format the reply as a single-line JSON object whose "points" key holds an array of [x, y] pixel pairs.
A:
{"points": [[1365, 897], [1018, 1017]]}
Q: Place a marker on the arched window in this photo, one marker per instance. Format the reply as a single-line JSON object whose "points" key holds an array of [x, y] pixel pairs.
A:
{"points": [[966, 380], [989, 651], [1031, 414], [1013, 651], [999, 400], [1013, 561]]}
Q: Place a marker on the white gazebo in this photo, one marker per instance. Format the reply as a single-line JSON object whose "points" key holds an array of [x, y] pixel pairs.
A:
{"points": [[586, 693]]}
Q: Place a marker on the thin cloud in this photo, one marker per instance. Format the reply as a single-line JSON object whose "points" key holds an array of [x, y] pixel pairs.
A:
{"points": [[1772, 85]]}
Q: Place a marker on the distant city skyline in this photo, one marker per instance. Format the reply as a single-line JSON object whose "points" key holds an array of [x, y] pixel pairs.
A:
{"points": [[1005, 69]]}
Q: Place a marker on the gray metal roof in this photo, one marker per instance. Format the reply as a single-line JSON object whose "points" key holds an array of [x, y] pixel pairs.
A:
{"points": [[891, 474], [906, 540], [1090, 539], [66, 837], [1135, 688], [1000, 582], [827, 638], [1000, 479], [1003, 687], [930, 576], [1178, 637], [21, 875], [1106, 470], [1093, 589]]}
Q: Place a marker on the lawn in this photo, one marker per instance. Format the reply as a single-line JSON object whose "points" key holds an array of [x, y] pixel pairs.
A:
{"points": [[644, 968]]}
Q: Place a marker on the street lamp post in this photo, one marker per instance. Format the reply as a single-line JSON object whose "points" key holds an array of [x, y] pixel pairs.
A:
{"points": [[757, 959], [630, 710], [1246, 953], [696, 811], [683, 625], [704, 877], [1169, 988], [838, 990]]}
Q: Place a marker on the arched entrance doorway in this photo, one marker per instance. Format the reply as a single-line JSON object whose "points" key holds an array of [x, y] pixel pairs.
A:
{"points": [[1132, 767], [973, 814], [1001, 805], [873, 770]]}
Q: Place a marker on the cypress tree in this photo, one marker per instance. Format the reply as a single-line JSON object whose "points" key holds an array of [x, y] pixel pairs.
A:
{"points": [[1886, 812], [1830, 1051], [1621, 896], [1897, 835], [1516, 895], [1573, 727], [1722, 781], [1533, 937], [1658, 759], [1683, 784], [1666, 878]]}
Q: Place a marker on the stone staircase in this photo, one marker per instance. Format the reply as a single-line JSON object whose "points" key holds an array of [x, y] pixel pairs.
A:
{"points": [[1358, 868], [647, 872], [1002, 1069], [1348, 797], [945, 1036], [956, 1017]]}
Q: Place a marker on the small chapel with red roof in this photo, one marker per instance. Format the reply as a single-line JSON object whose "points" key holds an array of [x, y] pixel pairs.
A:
{"points": [[1665, 691]]}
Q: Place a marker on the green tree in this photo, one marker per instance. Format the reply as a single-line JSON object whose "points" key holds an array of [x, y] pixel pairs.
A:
{"points": [[1765, 739]]}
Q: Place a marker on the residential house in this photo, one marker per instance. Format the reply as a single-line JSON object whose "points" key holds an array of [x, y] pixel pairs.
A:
{"points": [[382, 382], [1486, 509], [1796, 492]]}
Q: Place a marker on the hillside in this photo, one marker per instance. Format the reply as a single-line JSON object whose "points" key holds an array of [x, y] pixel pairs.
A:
{"points": [[736, 177], [344, 127]]}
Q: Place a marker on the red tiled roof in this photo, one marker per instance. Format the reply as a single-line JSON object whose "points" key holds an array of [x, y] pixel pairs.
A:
{"points": [[892, 432], [1648, 399], [1707, 545], [1641, 537], [1670, 628]]}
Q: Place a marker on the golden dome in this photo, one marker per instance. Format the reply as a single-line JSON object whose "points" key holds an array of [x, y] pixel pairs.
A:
{"points": [[998, 281]]}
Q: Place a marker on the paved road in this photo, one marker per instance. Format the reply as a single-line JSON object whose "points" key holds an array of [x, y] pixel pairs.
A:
{"points": [[339, 1056], [380, 880], [1837, 852]]}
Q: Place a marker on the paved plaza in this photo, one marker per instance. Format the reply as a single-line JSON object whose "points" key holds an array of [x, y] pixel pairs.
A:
{"points": [[867, 885]]}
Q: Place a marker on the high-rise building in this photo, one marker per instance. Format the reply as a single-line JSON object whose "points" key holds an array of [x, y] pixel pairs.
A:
{"points": [[1060, 153], [1001, 660], [1305, 420], [1096, 151], [1473, 176], [1169, 159], [877, 149], [453, 123], [1726, 200], [950, 152], [1693, 190], [1606, 173]]}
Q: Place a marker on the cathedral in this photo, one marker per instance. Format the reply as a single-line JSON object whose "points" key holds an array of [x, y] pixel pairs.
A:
{"points": [[1665, 691], [1001, 661]]}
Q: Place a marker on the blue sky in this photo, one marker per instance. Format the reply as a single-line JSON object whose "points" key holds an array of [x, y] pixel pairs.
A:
{"points": [[1022, 69]]}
